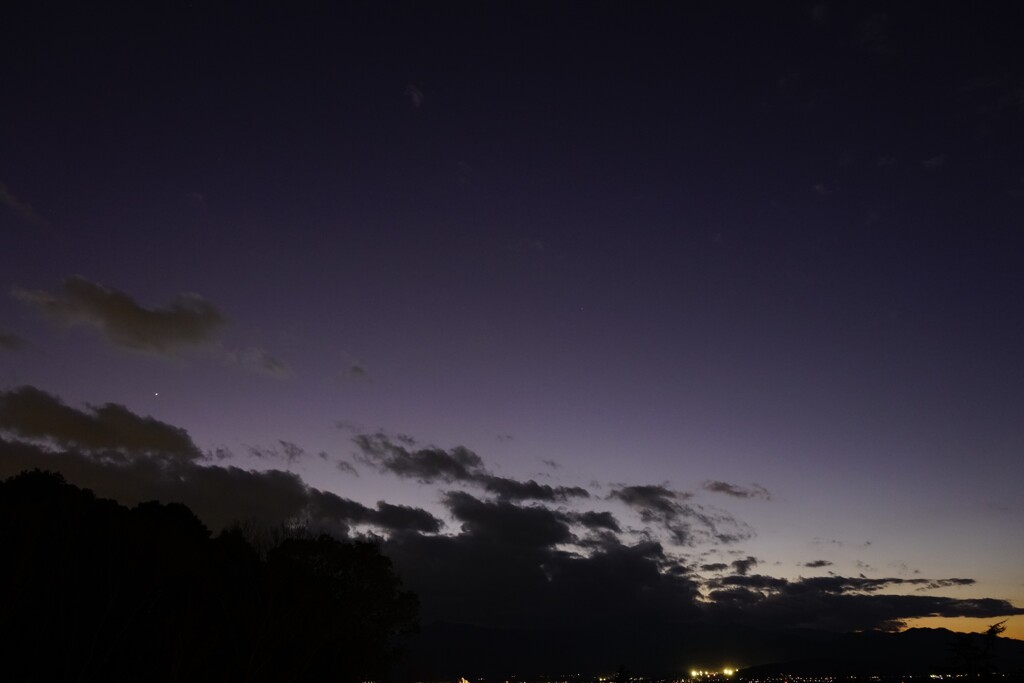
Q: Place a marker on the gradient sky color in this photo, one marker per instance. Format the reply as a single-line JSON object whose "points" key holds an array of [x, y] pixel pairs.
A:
{"points": [[778, 247]]}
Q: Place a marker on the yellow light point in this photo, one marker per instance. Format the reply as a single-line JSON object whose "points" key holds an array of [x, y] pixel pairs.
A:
{"points": [[694, 673], [728, 672]]}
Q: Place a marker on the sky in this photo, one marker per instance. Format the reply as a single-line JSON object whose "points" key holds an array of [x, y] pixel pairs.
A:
{"points": [[711, 309]]}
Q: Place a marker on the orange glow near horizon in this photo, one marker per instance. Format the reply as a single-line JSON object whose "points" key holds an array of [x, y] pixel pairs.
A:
{"points": [[1014, 625]]}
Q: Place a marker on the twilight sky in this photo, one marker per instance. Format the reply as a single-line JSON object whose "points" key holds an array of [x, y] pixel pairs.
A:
{"points": [[721, 300]]}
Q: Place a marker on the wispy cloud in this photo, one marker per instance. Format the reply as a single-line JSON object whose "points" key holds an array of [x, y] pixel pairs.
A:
{"points": [[686, 522], [259, 361], [459, 464], [415, 95], [12, 342], [752, 491], [21, 208], [189, 320], [188, 323]]}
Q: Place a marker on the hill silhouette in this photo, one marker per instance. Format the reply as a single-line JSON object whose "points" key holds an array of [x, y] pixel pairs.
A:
{"points": [[670, 650]]}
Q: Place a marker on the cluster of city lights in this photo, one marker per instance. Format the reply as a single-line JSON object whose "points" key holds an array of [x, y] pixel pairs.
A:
{"points": [[699, 673]]}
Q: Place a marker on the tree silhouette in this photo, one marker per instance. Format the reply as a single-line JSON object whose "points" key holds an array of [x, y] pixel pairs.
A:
{"points": [[95, 591], [974, 654]]}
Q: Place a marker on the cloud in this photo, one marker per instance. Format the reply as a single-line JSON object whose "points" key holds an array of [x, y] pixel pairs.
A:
{"points": [[651, 501], [23, 209], [685, 522], [258, 361], [753, 491], [743, 567], [189, 321], [12, 342], [404, 517], [598, 521], [355, 371], [837, 603], [327, 509], [817, 564], [415, 95], [946, 583], [220, 496], [754, 581], [935, 163], [352, 370], [502, 563], [504, 569], [512, 489], [426, 465], [430, 465], [509, 524], [32, 414], [195, 200], [132, 459], [347, 468]]}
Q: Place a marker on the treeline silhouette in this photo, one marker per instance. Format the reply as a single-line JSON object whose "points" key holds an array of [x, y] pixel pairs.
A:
{"points": [[92, 590]]}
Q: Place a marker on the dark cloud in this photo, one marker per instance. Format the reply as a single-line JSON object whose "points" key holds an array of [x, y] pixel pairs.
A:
{"points": [[506, 564], [752, 581], [490, 576], [685, 522], [188, 321], [597, 521], [398, 456], [220, 496], [752, 491], [12, 342], [132, 459], [817, 564], [837, 603], [714, 567], [404, 517], [30, 413], [743, 567], [426, 465], [653, 502], [332, 512], [946, 583], [509, 524], [512, 489]]}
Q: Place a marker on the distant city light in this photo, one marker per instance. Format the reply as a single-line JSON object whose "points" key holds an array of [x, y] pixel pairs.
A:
{"points": [[702, 673]]}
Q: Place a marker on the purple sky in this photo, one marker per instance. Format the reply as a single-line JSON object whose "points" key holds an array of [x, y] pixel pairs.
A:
{"points": [[778, 248]]}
